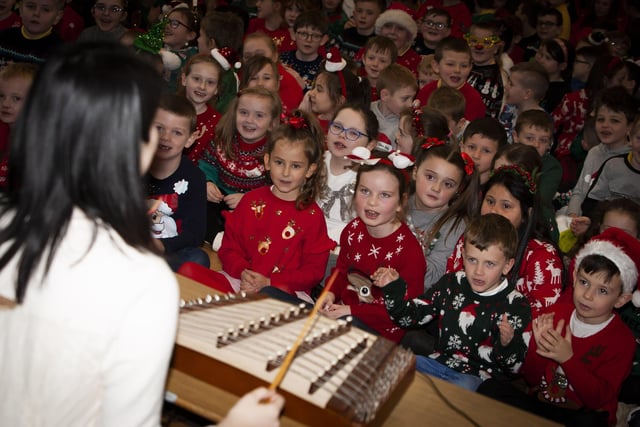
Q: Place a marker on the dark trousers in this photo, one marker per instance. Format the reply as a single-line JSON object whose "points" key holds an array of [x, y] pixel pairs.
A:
{"points": [[507, 393]]}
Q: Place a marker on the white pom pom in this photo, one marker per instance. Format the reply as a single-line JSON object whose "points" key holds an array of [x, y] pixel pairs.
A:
{"points": [[237, 65], [361, 152], [636, 298], [329, 55], [170, 60]]}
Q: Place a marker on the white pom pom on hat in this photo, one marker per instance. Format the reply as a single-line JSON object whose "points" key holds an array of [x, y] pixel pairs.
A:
{"points": [[334, 62], [624, 251]]}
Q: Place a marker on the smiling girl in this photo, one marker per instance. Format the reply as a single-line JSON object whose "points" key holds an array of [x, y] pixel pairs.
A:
{"points": [[377, 237]]}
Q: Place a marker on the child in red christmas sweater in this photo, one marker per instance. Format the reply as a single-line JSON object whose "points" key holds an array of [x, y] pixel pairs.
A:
{"points": [[582, 352], [376, 238], [276, 240]]}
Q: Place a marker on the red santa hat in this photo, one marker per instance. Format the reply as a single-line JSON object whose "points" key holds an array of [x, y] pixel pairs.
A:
{"points": [[225, 56], [400, 15], [623, 250], [334, 62]]}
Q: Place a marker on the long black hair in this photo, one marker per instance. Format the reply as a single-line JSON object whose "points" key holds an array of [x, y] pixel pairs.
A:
{"points": [[77, 144]]}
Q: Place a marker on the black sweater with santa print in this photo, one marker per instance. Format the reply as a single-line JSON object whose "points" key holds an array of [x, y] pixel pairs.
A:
{"points": [[469, 340]]}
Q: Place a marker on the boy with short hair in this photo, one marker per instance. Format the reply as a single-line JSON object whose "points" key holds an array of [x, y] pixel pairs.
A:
{"points": [[176, 188], [535, 128], [481, 317], [310, 33], [396, 88], [548, 27], [452, 62], [451, 104], [615, 111], [426, 73], [434, 26], [582, 352], [15, 82], [379, 53], [8, 18], [364, 18], [481, 140], [35, 40], [526, 87]]}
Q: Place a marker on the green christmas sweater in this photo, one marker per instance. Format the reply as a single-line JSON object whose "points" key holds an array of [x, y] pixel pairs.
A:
{"points": [[469, 340]]}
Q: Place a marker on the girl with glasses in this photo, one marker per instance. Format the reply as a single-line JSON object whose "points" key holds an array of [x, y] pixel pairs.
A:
{"points": [[180, 34], [350, 128]]}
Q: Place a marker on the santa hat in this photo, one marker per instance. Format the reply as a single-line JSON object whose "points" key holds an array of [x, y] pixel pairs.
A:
{"points": [[399, 16], [623, 250], [225, 56], [334, 62]]}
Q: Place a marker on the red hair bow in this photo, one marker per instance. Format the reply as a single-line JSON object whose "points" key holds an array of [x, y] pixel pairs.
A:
{"points": [[432, 142], [468, 163]]}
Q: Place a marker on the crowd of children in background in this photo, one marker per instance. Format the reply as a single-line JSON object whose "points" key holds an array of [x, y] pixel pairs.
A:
{"points": [[470, 168]]}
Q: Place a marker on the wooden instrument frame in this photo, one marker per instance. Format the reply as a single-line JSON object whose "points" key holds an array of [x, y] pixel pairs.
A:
{"points": [[193, 377]]}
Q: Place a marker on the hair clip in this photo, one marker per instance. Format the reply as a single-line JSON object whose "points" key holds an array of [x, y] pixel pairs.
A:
{"points": [[401, 160], [416, 116], [468, 163], [432, 142], [295, 120], [518, 171], [362, 155]]}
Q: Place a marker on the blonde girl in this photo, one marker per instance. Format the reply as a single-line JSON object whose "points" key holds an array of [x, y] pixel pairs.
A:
{"points": [[376, 237], [275, 242], [232, 163], [200, 83]]}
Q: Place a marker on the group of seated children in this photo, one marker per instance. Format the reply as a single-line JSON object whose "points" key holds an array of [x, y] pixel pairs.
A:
{"points": [[451, 192]]}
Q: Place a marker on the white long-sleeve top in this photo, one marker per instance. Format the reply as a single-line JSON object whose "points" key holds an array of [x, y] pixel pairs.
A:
{"points": [[91, 343]]}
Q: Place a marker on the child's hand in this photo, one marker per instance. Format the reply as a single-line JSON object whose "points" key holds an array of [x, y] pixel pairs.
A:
{"points": [[506, 331], [579, 225], [383, 276], [232, 200], [214, 194], [258, 408], [540, 325], [335, 311], [556, 346], [251, 281], [327, 300]]}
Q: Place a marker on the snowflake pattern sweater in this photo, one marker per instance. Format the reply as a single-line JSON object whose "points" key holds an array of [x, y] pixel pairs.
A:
{"points": [[540, 278], [270, 236], [361, 252], [468, 322], [592, 377]]}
